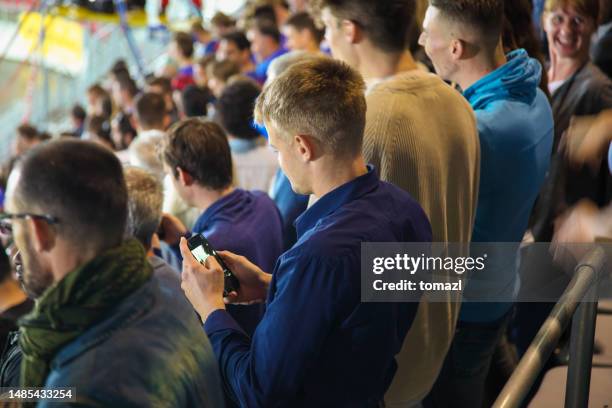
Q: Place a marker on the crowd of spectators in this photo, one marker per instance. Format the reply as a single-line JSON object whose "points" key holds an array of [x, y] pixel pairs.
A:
{"points": [[287, 136]]}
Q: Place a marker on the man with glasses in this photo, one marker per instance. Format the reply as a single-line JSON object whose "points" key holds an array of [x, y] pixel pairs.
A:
{"points": [[103, 322]]}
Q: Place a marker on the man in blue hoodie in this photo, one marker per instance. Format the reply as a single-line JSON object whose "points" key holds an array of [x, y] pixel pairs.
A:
{"points": [[515, 125]]}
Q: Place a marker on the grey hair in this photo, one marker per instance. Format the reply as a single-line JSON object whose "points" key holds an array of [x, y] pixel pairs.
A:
{"points": [[282, 63], [145, 197], [144, 154]]}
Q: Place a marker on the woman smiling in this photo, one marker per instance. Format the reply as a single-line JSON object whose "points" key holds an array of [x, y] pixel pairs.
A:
{"points": [[578, 88]]}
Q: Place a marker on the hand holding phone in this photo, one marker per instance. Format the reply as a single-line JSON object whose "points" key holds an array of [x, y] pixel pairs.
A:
{"points": [[254, 282], [201, 249]]}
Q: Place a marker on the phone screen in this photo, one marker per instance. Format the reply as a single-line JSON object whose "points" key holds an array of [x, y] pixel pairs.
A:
{"points": [[201, 249], [200, 254]]}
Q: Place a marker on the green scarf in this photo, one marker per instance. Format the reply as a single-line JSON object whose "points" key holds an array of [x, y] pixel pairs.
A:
{"points": [[84, 297]]}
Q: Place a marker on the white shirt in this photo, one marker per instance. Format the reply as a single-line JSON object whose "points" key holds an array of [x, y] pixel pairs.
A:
{"points": [[255, 164], [553, 86]]}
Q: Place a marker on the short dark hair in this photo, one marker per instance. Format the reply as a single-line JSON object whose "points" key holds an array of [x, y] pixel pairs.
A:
{"points": [[100, 93], [238, 38], [127, 84], [303, 21], [164, 83], [150, 110], [119, 66], [44, 136], [98, 125], [222, 70], [28, 132], [78, 112], [222, 20], [184, 43], [267, 28], [79, 182], [386, 22], [486, 16], [234, 108], [201, 149], [124, 126], [194, 101], [265, 12], [5, 265], [97, 90], [197, 27]]}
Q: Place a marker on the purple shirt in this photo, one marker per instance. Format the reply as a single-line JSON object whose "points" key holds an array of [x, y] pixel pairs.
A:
{"points": [[246, 223]]}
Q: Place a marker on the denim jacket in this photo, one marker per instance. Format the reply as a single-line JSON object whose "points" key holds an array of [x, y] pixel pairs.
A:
{"points": [[152, 352]]}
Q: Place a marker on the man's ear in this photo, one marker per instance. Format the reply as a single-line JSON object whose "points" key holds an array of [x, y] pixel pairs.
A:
{"points": [[42, 233], [352, 32], [457, 49], [307, 148], [184, 178]]}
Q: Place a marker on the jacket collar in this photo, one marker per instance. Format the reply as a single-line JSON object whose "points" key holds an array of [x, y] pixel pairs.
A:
{"points": [[229, 200], [335, 199]]}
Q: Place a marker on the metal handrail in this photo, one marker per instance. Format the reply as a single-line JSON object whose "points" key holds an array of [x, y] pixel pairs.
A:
{"points": [[571, 304]]}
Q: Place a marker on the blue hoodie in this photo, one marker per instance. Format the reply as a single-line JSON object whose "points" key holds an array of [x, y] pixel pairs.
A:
{"points": [[609, 163], [515, 125]]}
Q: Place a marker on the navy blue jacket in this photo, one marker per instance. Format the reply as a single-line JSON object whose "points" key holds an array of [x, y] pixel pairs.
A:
{"points": [[317, 343]]}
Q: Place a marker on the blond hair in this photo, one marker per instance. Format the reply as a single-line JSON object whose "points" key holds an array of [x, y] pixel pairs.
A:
{"points": [[322, 98]]}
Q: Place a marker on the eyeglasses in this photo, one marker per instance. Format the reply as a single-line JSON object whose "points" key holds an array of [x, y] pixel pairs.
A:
{"points": [[6, 225]]}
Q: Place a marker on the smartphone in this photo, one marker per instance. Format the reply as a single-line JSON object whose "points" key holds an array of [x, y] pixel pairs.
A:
{"points": [[201, 249]]}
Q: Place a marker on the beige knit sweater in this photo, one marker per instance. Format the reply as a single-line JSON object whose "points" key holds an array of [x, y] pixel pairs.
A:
{"points": [[421, 135]]}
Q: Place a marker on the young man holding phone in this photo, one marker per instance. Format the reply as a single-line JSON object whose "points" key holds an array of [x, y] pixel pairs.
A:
{"points": [[317, 343]]}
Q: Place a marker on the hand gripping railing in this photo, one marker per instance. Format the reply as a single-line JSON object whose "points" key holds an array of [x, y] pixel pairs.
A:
{"points": [[584, 312]]}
